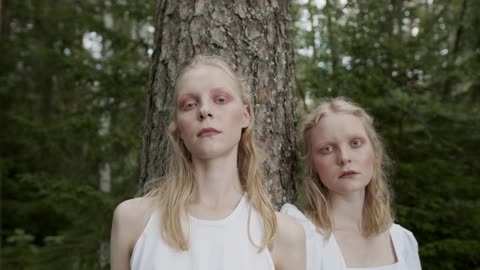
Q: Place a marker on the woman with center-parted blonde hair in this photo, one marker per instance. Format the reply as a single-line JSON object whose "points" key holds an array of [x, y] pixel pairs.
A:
{"points": [[349, 222], [210, 211]]}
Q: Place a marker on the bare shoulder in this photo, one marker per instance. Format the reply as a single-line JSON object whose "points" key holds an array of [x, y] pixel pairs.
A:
{"points": [[129, 220], [134, 209], [288, 229], [133, 214], [289, 247]]}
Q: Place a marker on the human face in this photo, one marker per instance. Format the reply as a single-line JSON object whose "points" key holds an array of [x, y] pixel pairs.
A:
{"points": [[342, 153], [210, 114]]}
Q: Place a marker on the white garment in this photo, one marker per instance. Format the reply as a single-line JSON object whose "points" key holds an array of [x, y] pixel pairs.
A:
{"points": [[214, 244], [323, 253]]}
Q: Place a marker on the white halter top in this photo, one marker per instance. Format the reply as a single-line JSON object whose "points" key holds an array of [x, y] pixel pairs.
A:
{"points": [[214, 244]]}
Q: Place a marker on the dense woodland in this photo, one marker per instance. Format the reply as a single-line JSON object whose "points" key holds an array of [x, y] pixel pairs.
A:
{"points": [[73, 88]]}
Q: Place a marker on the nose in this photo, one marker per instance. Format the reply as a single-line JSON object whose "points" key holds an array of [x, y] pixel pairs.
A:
{"points": [[204, 112], [343, 156]]}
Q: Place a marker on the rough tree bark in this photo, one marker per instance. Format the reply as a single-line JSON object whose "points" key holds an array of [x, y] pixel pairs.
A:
{"points": [[257, 37]]}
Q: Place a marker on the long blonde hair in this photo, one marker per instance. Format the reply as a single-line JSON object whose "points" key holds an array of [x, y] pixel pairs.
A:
{"points": [[377, 213], [178, 185]]}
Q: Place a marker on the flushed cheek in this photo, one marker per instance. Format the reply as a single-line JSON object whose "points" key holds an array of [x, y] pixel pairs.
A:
{"points": [[324, 168], [235, 118], [230, 122], [184, 126], [367, 163]]}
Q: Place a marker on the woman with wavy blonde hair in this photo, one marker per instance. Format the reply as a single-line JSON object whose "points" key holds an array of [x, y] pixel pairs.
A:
{"points": [[349, 222], [211, 210]]}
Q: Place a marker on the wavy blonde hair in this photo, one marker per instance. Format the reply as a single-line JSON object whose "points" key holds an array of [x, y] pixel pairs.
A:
{"points": [[377, 213], [176, 188]]}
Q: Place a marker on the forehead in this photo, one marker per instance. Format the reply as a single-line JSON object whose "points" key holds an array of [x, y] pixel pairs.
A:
{"points": [[337, 126], [204, 77]]}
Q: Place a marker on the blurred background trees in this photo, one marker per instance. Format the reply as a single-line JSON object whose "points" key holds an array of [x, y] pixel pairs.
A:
{"points": [[73, 86], [73, 79]]}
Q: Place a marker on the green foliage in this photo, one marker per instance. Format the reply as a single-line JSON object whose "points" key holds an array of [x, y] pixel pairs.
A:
{"points": [[72, 92], [66, 223], [415, 67]]}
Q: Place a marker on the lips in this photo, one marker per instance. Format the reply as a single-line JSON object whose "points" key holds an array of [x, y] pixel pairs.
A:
{"points": [[205, 132], [348, 174]]}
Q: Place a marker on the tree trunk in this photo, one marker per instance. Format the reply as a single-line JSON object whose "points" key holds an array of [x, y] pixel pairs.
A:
{"points": [[453, 52], [3, 21], [258, 39], [332, 42]]}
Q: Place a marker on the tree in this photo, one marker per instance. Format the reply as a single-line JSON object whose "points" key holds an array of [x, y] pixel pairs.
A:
{"points": [[254, 36], [71, 102]]}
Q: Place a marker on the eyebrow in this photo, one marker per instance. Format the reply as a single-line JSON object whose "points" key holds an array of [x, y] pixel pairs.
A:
{"points": [[224, 90], [323, 143], [350, 137], [213, 91], [359, 136], [181, 99]]}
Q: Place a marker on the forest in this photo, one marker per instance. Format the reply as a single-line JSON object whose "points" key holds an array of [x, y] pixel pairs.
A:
{"points": [[74, 80]]}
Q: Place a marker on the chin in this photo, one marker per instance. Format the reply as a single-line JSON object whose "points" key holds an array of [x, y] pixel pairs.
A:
{"points": [[211, 153], [355, 186]]}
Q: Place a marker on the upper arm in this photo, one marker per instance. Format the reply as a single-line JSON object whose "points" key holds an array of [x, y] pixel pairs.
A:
{"points": [[129, 218], [289, 248]]}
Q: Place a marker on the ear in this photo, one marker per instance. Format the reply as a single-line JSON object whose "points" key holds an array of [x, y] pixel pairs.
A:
{"points": [[246, 116]]}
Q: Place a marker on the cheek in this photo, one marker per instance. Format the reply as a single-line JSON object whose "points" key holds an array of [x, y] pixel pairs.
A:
{"points": [[368, 160], [322, 166], [183, 126], [235, 118]]}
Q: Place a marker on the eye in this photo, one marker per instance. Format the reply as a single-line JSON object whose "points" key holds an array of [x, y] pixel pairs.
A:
{"points": [[221, 99], [356, 142], [327, 149], [189, 106]]}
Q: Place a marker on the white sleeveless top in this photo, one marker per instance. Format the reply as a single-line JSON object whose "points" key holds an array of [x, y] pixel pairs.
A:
{"points": [[214, 244], [324, 253]]}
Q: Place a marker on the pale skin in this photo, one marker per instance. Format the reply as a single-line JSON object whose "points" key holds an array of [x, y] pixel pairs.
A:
{"points": [[343, 157], [210, 116]]}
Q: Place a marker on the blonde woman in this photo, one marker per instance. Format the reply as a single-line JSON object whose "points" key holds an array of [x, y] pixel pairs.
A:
{"points": [[211, 210], [349, 222]]}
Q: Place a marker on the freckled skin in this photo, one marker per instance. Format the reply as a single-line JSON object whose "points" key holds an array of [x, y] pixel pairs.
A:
{"points": [[340, 143], [209, 98]]}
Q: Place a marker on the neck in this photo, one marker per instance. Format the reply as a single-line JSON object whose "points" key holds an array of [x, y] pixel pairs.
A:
{"points": [[218, 181], [347, 211]]}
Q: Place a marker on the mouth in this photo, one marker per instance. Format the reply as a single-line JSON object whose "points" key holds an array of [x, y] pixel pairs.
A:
{"points": [[206, 132], [348, 174]]}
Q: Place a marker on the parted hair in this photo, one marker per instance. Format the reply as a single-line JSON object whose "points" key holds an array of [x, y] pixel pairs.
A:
{"points": [[377, 212], [174, 191]]}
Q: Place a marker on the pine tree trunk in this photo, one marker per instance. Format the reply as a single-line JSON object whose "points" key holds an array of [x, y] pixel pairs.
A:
{"points": [[258, 39]]}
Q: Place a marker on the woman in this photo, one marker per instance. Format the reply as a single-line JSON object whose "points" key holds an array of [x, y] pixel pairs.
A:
{"points": [[350, 223], [211, 210]]}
